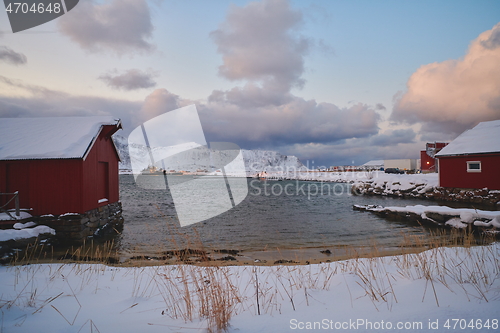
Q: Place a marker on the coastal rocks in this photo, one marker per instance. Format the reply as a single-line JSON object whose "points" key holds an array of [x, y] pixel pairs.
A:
{"points": [[408, 189], [458, 218]]}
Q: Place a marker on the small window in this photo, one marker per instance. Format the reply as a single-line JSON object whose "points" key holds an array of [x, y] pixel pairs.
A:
{"points": [[473, 166]]}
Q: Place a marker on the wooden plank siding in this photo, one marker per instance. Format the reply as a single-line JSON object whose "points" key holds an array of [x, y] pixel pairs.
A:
{"points": [[453, 171]]}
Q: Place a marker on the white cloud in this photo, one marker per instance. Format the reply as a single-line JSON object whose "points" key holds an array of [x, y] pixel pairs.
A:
{"points": [[452, 96], [155, 104], [10, 56], [259, 43]]}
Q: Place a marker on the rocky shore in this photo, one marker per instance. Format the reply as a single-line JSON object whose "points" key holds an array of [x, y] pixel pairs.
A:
{"points": [[422, 186], [426, 191], [458, 218]]}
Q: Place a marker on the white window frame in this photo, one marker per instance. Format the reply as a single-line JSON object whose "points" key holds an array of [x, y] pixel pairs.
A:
{"points": [[473, 162]]}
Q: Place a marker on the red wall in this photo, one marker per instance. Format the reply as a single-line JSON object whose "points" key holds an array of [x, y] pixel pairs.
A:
{"points": [[47, 186], [94, 177], [61, 186], [424, 158], [453, 172]]}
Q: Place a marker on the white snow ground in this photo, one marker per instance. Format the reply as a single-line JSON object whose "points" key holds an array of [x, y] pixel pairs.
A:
{"points": [[459, 287]]}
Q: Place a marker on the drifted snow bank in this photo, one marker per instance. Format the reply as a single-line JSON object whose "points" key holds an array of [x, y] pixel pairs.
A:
{"points": [[441, 215], [15, 234], [411, 290]]}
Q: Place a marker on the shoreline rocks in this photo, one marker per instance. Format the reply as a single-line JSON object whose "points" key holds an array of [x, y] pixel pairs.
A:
{"points": [[442, 216], [425, 191]]}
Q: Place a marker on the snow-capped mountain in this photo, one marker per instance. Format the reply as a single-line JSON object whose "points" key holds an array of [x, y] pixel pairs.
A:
{"points": [[195, 158]]}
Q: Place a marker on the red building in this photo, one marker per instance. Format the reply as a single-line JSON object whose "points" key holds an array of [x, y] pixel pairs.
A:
{"points": [[472, 160], [59, 165], [427, 159]]}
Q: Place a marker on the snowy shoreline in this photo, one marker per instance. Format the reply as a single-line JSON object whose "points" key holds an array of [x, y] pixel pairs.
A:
{"points": [[435, 286], [419, 186], [461, 218]]}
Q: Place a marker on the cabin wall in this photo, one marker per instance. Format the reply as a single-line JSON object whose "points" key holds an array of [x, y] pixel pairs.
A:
{"points": [[453, 172], [46, 186], [100, 174]]}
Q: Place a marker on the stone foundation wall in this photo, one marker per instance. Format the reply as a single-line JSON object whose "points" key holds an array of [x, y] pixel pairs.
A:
{"points": [[77, 227]]}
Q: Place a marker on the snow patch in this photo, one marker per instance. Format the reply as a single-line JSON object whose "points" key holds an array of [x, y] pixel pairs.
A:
{"points": [[456, 223], [12, 234], [20, 226], [7, 217]]}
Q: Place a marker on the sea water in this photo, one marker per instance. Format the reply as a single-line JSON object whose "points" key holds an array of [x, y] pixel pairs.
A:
{"points": [[286, 214]]}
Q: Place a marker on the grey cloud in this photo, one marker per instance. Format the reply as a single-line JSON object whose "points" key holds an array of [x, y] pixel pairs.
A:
{"points": [[380, 106], [48, 103], [345, 152], [324, 48], [10, 56], [157, 103], [251, 96], [12, 110], [119, 25], [494, 39], [32, 89], [132, 79], [258, 43], [297, 121], [393, 137]]}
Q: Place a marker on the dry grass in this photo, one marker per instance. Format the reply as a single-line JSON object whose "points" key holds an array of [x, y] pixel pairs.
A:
{"points": [[214, 295]]}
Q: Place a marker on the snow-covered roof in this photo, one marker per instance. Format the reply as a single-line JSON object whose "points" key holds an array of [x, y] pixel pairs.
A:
{"points": [[374, 162], [49, 138], [484, 138]]}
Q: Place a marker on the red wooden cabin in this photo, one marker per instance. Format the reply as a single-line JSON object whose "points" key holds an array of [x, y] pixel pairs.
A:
{"points": [[59, 165], [472, 160], [427, 156]]}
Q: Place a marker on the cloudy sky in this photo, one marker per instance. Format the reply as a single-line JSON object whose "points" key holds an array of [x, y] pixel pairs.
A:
{"points": [[334, 82]]}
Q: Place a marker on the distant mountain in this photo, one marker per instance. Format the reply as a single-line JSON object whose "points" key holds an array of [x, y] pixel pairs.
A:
{"points": [[192, 159]]}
